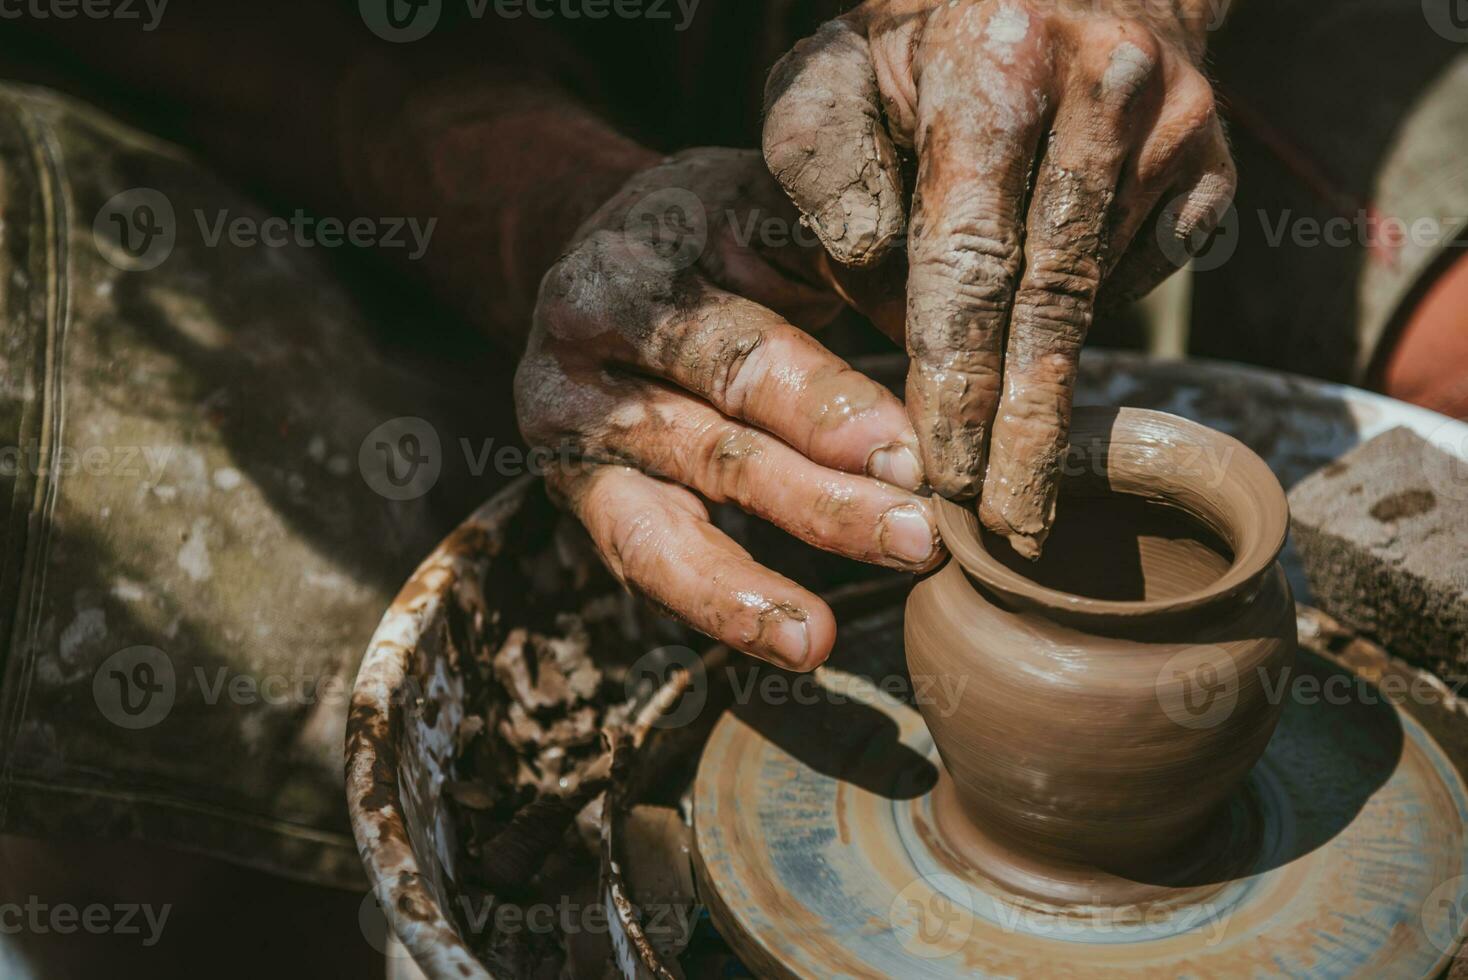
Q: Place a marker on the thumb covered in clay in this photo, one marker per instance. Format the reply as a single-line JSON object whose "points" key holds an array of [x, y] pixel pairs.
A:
{"points": [[826, 142]]}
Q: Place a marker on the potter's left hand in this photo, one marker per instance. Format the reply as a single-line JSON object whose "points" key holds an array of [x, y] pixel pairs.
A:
{"points": [[668, 355], [1101, 103]]}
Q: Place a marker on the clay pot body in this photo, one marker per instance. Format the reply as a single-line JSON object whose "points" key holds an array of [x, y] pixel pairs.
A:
{"points": [[1114, 695]]}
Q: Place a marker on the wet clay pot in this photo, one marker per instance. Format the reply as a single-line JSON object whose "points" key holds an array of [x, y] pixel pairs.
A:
{"points": [[1115, 693]]}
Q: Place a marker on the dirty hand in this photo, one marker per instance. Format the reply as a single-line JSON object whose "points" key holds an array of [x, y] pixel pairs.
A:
{"points": [[666, 359], [1109, 116]]}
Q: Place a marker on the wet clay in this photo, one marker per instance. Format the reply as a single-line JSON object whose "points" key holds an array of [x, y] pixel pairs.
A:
{"points": [[1117, 689]]}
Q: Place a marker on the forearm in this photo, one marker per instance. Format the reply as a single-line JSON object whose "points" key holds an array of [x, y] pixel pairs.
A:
{"points": [[477, 133], [508, 168]]}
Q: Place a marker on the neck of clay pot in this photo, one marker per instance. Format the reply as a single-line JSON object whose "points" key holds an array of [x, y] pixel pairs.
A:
{"points": [[1168, 463]]}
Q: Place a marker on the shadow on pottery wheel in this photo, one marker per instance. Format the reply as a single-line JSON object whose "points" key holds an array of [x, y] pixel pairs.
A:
{"points": [[868, 754]]}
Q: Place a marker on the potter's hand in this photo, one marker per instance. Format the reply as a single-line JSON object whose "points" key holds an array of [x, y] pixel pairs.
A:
{"points": [[1115, 122], [663, 355]]}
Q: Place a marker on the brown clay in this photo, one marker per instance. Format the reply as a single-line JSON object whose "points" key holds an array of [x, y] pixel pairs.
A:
{"points": [[1117, 688]]}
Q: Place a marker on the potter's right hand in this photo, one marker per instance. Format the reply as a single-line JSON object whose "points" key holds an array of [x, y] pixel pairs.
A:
{"points": [[1060, 145], [670, 366]]}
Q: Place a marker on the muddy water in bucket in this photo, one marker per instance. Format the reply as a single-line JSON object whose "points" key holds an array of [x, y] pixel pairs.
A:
{"points": [[1092, 795]]}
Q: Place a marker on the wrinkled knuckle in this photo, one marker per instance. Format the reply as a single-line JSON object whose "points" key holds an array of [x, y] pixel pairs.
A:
{"points": [[1196, 106], [633, 539], [1055, 324], [1063, 272], [1128, 68], [728, 452], [976, 270], [733, 371]]}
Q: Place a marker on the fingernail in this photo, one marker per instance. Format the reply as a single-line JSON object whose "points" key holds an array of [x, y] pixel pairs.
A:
{"points": [[790, 642], [896, 464], [907, 534]]}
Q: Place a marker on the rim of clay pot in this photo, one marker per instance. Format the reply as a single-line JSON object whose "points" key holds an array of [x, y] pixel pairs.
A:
{"points": [[1158, 456]]}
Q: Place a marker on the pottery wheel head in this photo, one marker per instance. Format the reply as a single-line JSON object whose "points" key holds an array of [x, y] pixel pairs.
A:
{"points": [[819, 854]]}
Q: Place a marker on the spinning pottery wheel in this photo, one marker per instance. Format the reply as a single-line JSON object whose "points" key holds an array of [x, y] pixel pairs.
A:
{"points": [[1143, 779], [817, 849], [818, 855]]}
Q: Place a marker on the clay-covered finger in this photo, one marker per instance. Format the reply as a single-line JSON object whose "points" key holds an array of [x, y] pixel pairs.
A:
{"points": [[739, 356], [672, 435], [1180, 225], [753, 366], [827, 144], [1185, 127], [1066, 240], [977, 132], [657, 540]]}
